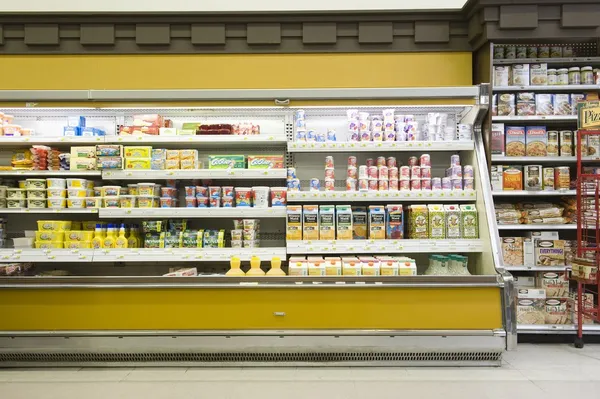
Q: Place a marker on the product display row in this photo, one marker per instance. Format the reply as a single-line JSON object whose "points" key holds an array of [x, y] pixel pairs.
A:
{"points": [[536, 141], [541, 75], [533, 213], [540, 104], [511, 52], [531, 178], [538, 248], [539, 306]]}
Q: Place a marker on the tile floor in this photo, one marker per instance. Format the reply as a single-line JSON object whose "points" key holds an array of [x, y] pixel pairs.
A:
{"points": [[534, 371]]}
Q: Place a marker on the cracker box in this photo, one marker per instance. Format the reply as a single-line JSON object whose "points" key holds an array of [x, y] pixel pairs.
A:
{"points": [[502, 75], [497, 177], [526, 104], [226, 161], [327, 222], [418, 221], [512, 251], [310, 222], [515, 141], [293, 223], [556, 310], [538, 74], [528, 252], [506, 104], [549, 252], [359, 223], [344, 222], [555, 284], [536, 140], [394, 222], [562, 104], [544, 104], [453, 226], [265, 161], [524, 281], [437, 221], [376, 222], [520, 75], [531, 306], [498, 138], [470, 221]]}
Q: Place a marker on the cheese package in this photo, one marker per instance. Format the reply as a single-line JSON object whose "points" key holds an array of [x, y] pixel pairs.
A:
{"points": [[310, 222], [394, 222], [344, 222], [359, 223], [265, 162], [294, 223], [327, 222], [376, 222]]}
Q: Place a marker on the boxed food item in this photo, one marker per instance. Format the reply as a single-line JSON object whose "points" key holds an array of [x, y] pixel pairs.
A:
{"points": [[556, 310], [351, 267], [538, 74], [407, 267], [333, 266], [555, 284], [506, 104], [549, 252], [418, 221], [109, 150], [297, 266], [469, 221], [531, 306], [497, 139], [512, 251], [310, 222], [327, 222], [148, 120], [265, 161], [576, 99], [395, 222], [83, 152], [344, 222], [188, 155], [138, 163], [520, 75], [587, 301], [562, 104], [437, 221], [536, 140], [544, 104], [226, 161], [524, 281], [316, 267], [137, 151], [453, 227], [294, 223], [533, 177], [359, 223], [502, 75], [83, 164], [377, 222], [109, 163], [525, 104], [512, 178], [528, 252], [497, 180], [515, 141]]}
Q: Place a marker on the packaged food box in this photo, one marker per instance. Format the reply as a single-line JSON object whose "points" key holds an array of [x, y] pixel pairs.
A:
{"points": [[556, 310], [172, 154], [512, 178], [376, 222], [538, 74], [265, 161], [167, 131], [294, 222], [512, 251], [359, 223], [437, 221], [526, 104], [191, 155], [531, 306], [544, 104], [520, 75], [549, 252], [344, 222], [515, 141], [533, 177], [469, 221], [310, 222], [418, 222], [83, 164], [524, 281], [555, 284], [226, 161], [109, 150], [497, 179], [576, 99], [327, 222], [498, 139], [78, 121], [394, 222], [83, 152], [506, 104], [453, 226], [137, 151], [148, 120], [536, 140], [587, 304], [502, 75], [108, 163], [562, 104]]}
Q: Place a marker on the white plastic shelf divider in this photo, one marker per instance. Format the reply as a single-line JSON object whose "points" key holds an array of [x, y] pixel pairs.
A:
{"points": [[272, 212], [383, 246], [63, 211], [357, 196], [138, 254], [556, 329], [551, 88], [50, 173], [195, 174], [535, 118], [535, 227], [534, 160], [524, 193], [374, 146], [64, 140], [536, 268], [208, 140]]}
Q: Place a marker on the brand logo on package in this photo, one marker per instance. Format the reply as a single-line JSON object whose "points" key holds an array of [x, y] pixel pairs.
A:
{"points": [[221, 161], [589, 115], [260, 162]]}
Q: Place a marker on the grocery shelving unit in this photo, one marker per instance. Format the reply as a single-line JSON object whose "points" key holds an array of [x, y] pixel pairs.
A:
{"points": [[465, 320]]}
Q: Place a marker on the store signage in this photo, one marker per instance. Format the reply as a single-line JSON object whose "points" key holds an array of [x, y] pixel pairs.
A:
{"points": [[589, 115]]}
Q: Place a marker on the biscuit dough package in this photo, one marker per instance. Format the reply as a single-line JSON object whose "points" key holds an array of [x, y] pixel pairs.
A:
{"points": [[310, 222]]}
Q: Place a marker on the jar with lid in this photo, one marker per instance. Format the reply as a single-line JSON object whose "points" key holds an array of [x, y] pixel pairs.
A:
{"points": [[552, 77], [587, 75], [574, 76], [562, 76]]}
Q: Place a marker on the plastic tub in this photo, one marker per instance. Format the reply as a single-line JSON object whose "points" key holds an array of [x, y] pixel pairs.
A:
{"points": [[76, 193], [56, 182], [97, 191], [111, 191], [89, 184], [261, 196], [76, 183], [133, 189], [110, 202], [16, 193], [36, 203], [57, 193], [35, 183], [54, 225], [147, 201], [57, 203], [93, 202], [127, 201], [79, 235], [23, 242], [36, 193], [49, 244], [168, 202], [78, 244], [168, 192], [16, 203], [50, 236], [146, 189], [76, 203]]}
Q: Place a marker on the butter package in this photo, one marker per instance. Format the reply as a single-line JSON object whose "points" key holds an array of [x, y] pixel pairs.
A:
{"points": [[333, 266], [394, 222], [188, 164], [108, 163], [109, 150], [158, 164], [310, 222], [226, 162], [172, 164], [265, 161], [167, 131], [138, 163], [294, 222], [327, 222], [344, 222], [188, 155], [83, 152], [137, 151], [376, 222], [172, 154], [159, 153], [359, 223]]}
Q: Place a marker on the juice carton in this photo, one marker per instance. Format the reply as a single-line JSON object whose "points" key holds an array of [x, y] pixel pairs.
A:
{"points": [[376, 222], [394, 222], [469, 221], [351, 267], [389, 267], [453, 227], [344, 222], [294, 223], [359, 223], [316, 267], [333, 266], [418, 222], [407, 267], [371, 267], [327, 222], [310, 222], [298, 266], [437, 221]]}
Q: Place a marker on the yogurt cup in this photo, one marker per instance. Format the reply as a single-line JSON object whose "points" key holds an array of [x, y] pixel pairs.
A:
{"points": [[56, 183], [133, 189], [110, 202], [36, 193], [35, 183], [127, 201], [76, 183], [168, 192], [243, 196], [76, 203], [93, 202], [146, 189], [167, 202], [76, 193], [57, 203], [111, 191], [191, 202], [261, 196], [146, 201]]}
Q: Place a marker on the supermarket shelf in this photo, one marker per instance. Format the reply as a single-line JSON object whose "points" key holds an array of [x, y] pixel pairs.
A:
{"points": [[373, 146], [535, 118], [574, 61], [62, 211], [195, 174], [552, 88], [536, 268], [49, 173], [534, 160], [137, 255], [383, 246], [523, 193], [357, 196], [204, 141], [556, 329], [275, 212], [535, 227], [28, 140]]}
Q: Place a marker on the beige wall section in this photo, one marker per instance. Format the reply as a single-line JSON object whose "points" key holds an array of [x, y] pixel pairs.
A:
{"points": [[213, 71]]}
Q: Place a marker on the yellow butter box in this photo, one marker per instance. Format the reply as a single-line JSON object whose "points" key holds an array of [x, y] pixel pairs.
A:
{"points": [[138, 163], [138, 151]]}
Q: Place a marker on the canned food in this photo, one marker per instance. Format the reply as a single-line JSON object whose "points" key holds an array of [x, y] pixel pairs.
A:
{"points": [[552, 146], [468, 184], [593, 146], [329, 161], [415, 172], [566, 143], [369, 162], [329, 184], [362, 172], [352, 161], [381, 161], [373, 184], [315, 184], [425, 160], [415, 184], [392, 162], [425, 172], [404, 172], [363, 184], [329, 173], [455, 160], [404, 185], [467, 171], [384, 185], [436, 183], [425, 184], [548, 179], [293, 184], [457, 184], [533, 177], [372, 172], [413, 161], [291, 173], [350, 184], [383, 173], [352, 172], [393, 185], [446, 183], [562, 178], [393, 173]]}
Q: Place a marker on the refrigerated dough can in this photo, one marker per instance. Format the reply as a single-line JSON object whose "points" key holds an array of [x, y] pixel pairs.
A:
{"points": [[562, 177], [533, 177], [548, 179]]}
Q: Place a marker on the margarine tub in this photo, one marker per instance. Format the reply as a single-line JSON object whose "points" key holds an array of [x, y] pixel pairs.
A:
{"points": [[54, 225], [93, 202], [133, 189], [147, 201], [57, 203], [76, 203], [76, 193], [56, 182], [57, 193], [35, 183], [145, 189], [128, 201], [78, 244], [49, 244], [16, 193], [36, 193], [110, 202], [36, 203], [110, 191], [76, 183], [50, 236], [79, 235]]}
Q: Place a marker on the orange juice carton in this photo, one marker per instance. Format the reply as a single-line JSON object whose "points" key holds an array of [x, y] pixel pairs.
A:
{"points": [[333, 266], [294, 223], [316, 267], [359, 223], [376, 222], [407, 267], [371, 267], [388, 267], [327, 222], [297, 266], [453, 227], [394, 222], [437, 221], [351, 267], [310, 222], [344, 222]]}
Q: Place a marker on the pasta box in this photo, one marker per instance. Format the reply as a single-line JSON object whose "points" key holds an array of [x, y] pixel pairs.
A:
{"points": [[536, 140], [515, 141]]}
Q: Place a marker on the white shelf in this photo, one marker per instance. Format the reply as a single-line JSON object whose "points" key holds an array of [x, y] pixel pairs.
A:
{"points": [[536, 268], [138, 255], [273, 212], [535, 227], [195, 174], [203, 140], [573, 88], [63, 211], [556, 329], [69, 140], [49, 173], [523, 193], [357, 196], [535, 118], [534, 160], [383, 246], [379, 146]]}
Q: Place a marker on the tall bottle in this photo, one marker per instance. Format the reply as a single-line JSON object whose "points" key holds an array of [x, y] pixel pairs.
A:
{"points": [[234, 267], [255, 269], [275, 267], [98, 240], [121, 241], [133, 241], [111, 238]]}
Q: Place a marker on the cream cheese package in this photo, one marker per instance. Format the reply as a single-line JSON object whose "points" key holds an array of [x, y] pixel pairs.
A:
{"points": [[265, 161], [226, 161]]}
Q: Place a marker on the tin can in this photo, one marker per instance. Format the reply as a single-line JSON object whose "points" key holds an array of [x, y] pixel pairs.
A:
{"points": [[404, 172], [384, 185], [415, 184], [352, 172], [329, 173], [548, 179], [393, 185], [373, 184], [404, 185], [352, 161], [383, 173], [372, 172], [457, 184], [468, 184], [363, 184], [413, 161], [293, 184], [301, 135], [329, 161], [455, 160], [362, 172], [370, 162], [552, 143], [436, 183], [311, 136], [321, 137], [329, 184], [291, 173], [467, 171], [425, 160], [351, 184], [393, 173], [392, 162], [446, 183], [562, 177], [381, 161], [425, 184], [315, 184], [415, 172], [425, 172], [532, 177]]}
